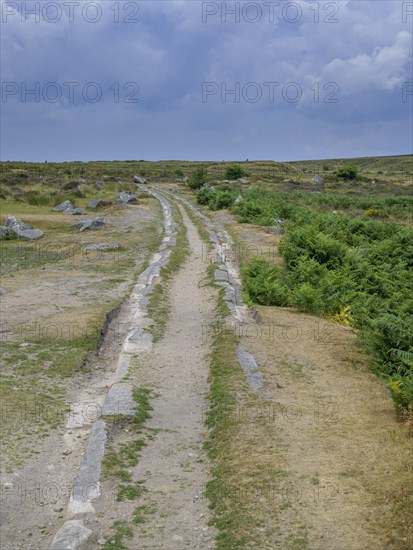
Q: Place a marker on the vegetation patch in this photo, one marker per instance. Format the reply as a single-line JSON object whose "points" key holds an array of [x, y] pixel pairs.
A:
{"points": [[118, 459], [122, 532], [354, 269]]}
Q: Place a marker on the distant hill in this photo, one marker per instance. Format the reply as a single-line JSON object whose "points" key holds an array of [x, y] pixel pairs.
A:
{"points": [[388, 166]]}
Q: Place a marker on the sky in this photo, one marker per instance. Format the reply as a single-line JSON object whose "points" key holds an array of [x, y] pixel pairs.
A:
{"points": [[193, 80]]}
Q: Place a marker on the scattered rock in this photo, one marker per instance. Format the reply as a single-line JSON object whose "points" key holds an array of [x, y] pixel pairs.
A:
{"points": [[63, 206], [221, 275], [318, 179], [17, 225], [7, 232], [139, 179], [71, 186], [252, 369], [238, 199], [243, 180], [20, 229], [75, 211], [126, 197], [89, 224], [185, 180], [101, 246], [31, 234], [70, 536], [279, 227], [99, 203], [208, 186]]}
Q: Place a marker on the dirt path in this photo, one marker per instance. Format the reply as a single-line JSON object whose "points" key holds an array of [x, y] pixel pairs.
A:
{"points": [[173, 463]]}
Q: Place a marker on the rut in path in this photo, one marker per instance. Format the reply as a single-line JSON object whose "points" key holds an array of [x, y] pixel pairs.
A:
{"points": [[173, 464]]}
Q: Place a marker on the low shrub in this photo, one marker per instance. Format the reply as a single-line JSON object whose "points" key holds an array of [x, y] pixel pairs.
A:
{"points": [[356, 270]]}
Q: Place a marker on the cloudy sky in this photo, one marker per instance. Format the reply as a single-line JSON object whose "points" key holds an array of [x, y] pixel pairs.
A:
{"points": [[186, 79]]}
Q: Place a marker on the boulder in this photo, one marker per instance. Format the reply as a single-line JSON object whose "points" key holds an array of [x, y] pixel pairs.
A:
{"points": [[126, 197], [71, 186], [279, 227], [185, 180], [243, 180], [7, 232], [91, 223], [101, 246], [139, 179], [208, 186], [99, 185], [99, 203], [75, 211], [63, 206], [17, 225], [17, 228], [238, 199], [30, 234]]}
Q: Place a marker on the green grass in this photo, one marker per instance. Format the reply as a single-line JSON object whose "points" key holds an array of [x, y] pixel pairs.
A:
{"points": [[226, 514], [159, 308], [122, 531], [132, 491], [119, 458], [15, 255], [53, 357], [140, 513], [28, 408]]}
